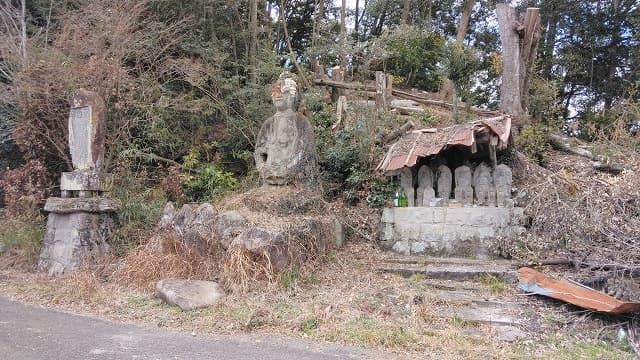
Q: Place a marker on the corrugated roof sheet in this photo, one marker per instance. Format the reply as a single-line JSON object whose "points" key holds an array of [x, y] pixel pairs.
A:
{"points": [[535, 282], [430, 141]]}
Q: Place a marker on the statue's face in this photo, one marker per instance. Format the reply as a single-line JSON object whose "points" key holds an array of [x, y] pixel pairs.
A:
{"points": [[283, 102]]}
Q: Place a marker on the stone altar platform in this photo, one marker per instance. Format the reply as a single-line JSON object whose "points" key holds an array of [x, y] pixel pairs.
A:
{"points": [[447, 231]]}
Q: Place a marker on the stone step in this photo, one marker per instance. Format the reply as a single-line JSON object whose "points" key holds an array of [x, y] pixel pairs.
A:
{"points": [[482, 313], [452, 279], [457, 269]]}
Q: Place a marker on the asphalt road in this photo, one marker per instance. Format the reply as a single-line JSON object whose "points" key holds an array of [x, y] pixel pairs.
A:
{"points": [[28, 332]]}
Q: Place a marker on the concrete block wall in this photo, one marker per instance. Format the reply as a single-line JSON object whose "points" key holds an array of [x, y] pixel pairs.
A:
{"points": [[443, 231]]}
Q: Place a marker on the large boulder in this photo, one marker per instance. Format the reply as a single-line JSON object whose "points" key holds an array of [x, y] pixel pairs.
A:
{"points": [[228, 225], [189, 294], [268, 243], [194, 225]]}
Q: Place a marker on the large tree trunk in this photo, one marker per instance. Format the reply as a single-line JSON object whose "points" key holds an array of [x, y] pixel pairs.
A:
{"points": [[357, 20], [405, 12], [519, 38], [463, 26], [343, 32], [253, 44], [317, 22], [23, 27], [292, 54], [549, 45]]}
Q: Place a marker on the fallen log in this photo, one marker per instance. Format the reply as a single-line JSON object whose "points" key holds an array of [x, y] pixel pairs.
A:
{"points": [[343, 85], [610, 168], [567, 145], [386, 138], [546, 262], [626, 269], [403, 95], [419, 99]]}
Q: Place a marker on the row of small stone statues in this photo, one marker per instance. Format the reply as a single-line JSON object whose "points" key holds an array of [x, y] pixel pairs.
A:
{"points": [[482, 186]]}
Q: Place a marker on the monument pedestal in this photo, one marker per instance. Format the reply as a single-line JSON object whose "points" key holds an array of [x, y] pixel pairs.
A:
{"points": [[82, 183], [77, 232]]}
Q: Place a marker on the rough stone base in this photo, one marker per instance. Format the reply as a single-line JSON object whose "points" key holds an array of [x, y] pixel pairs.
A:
{"points": [[281, 225], [442, 231], [74, 238]]}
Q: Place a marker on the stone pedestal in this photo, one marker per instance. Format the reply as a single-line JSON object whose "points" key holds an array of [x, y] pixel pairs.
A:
{"points": [[82, 183], [444, 231], [77, 232]]}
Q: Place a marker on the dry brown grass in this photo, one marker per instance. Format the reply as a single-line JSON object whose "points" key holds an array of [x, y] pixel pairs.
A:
{"points": [[164, 257], [243, 269]]}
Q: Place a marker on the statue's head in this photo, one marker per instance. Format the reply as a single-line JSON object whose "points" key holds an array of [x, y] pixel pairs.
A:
{"points": [[284, 92]]}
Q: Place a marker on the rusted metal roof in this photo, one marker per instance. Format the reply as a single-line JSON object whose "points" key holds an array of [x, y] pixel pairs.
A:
{"points": [[425, 142], [535, 282]]}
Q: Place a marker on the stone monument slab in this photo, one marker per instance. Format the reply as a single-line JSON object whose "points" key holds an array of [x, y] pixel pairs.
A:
{"points": [[87, 130]]}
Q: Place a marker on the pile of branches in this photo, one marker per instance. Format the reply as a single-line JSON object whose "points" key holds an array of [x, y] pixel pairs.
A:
{"points": [[590, 219]]}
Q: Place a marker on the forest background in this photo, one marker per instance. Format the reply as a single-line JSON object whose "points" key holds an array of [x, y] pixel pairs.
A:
{"points": [[186, 85]]}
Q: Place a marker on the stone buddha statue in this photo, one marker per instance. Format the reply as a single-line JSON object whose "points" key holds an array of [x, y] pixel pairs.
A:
{"points": [[285, 149]]}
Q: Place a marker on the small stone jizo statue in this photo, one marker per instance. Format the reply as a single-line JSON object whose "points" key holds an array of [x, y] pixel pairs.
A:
{"points": [[425, 192], [463, 190], [406, 182]]}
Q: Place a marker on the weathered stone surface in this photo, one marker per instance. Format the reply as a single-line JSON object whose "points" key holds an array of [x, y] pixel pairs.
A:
{"points": [[189, 294], [268, 243], [483, 185], [82, 180], [449, 268], [228, 225], [200, 231], [167, 216], [285, 148], [193, 224], [425, 192], [444, 231], [463, 190], [75, 238], [502, 180], [183, 217], [444, 183], [73, 205], [87, 130], [406, 182]]}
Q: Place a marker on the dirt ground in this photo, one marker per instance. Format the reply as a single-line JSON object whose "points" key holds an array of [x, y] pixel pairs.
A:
{"points": [[346, 300]]}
